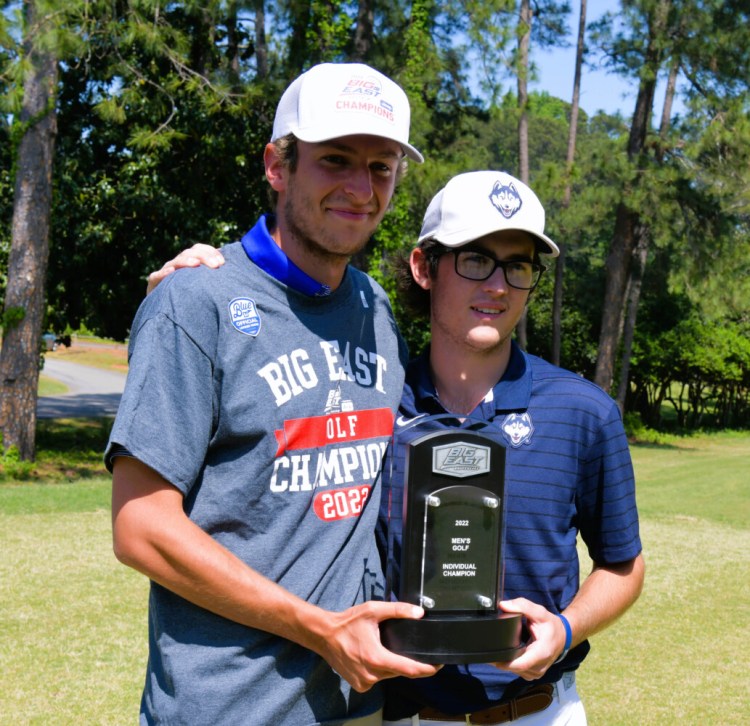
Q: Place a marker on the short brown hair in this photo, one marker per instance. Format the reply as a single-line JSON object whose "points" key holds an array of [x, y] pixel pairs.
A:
{"points": [[286, 148]]}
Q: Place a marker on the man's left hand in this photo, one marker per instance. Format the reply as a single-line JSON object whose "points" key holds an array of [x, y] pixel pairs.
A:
{"points": [[546, 641]]}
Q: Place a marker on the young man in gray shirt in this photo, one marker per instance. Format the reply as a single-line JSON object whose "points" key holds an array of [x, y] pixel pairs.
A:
{"points": [[246, 450]]}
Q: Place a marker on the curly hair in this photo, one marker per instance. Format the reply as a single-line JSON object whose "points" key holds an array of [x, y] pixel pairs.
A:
{"points": [[410, 295]]}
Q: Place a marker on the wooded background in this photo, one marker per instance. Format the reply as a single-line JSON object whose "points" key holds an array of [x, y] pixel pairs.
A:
{"points": [[130, 129]]}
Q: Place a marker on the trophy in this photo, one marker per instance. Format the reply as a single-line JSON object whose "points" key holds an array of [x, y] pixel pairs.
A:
{"points": [[445, 512]]}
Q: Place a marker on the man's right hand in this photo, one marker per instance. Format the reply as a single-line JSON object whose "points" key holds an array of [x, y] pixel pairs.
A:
{"points": [[350, 643], [198, 254]]}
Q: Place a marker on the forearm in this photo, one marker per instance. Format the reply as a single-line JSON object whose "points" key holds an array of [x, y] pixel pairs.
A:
{"points": [[604, 596], [152, 534]]}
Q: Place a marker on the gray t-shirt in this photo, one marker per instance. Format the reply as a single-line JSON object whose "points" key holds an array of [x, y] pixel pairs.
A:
{"points": [[270, 410]]}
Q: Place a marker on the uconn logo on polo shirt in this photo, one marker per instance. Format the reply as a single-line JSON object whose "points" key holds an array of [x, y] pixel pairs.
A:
{"points": [[517, 429]]}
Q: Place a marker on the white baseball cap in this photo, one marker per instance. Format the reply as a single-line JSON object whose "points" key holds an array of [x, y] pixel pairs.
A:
{"points": [[478, 203], [332, 100]]}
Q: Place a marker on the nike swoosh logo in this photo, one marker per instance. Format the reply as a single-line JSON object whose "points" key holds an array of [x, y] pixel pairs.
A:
{"points": [[401, 421]]}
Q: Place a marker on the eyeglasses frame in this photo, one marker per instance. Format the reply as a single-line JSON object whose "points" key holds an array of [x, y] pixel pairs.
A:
{"points": [[498, 263]]}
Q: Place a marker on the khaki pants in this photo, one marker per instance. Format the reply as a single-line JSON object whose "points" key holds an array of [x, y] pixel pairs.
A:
{"points": [[374, 719]]}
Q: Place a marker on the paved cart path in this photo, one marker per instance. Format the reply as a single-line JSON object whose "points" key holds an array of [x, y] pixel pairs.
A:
{"points": [[92, 391]]}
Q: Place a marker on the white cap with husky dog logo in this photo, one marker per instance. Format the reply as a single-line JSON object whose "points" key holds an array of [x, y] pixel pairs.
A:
{"points": [[479, 203]]}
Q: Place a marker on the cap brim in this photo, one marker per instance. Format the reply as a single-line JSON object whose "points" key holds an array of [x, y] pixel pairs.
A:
{"points": [[412, 153], [309, 138], [544, 244], [551, 248]]}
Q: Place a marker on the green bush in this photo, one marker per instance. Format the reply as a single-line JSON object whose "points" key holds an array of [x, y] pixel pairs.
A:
{"points": [[12, 467]]}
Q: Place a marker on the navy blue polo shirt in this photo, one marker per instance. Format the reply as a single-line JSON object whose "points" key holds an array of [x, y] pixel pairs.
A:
{"points": [[568, 472]]}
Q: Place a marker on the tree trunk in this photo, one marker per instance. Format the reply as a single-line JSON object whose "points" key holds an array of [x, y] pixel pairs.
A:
{"points": [[524, 40], [641, 254], [557, 299], [627, 221], [666, 113], [261, 45], [363, 33], [27, 264], [233, 51], [634, 295], [618, 264], [298, 55]]}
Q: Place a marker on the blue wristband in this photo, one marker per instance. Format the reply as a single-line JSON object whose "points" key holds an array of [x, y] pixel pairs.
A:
{"points": [[568, 637]]}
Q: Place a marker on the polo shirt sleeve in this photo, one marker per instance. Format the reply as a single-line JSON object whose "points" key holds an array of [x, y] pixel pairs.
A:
{"points": [[606, 504], [166, 414]]}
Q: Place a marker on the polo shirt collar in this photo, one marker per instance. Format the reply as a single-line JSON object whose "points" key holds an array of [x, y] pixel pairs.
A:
{"points": [[261, 248], [511, 393]]}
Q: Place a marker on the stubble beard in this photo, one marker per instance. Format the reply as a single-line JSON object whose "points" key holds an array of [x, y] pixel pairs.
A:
{"points": [[315, 242]]}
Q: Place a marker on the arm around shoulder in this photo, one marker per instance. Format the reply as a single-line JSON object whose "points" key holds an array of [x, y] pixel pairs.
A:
{"points": [[198, 254]]}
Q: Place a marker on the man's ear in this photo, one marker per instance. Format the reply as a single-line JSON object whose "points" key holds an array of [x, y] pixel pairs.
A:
{"points": [[276, 171], [420, 268]]}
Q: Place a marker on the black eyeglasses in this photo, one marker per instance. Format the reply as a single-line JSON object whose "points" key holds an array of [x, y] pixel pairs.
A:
{"points": [[478, 265]]}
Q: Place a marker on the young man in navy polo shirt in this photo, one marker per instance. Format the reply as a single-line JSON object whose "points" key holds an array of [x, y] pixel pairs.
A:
{"points": [[568, 468]]}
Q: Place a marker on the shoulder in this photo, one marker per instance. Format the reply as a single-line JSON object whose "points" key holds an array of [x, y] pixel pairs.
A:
{"points": [[561, 387], [204, 280], [193, 296], [362, 282], [192, 287]]}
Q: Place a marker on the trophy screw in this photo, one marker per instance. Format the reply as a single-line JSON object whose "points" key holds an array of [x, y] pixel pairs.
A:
{"points": [[427, 602], [491, 502], [484, 601], [433, 501]]}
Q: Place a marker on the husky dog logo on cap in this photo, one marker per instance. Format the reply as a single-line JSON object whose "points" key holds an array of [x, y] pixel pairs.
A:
{"points": [[506, 199]]}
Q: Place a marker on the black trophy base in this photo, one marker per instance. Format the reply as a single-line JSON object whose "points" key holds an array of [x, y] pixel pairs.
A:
{"points": [[455, 638]]}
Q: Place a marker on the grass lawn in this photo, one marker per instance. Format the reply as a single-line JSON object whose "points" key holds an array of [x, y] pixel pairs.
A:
{"points": [[50, 387], [73, 626], [100, 354], [72, 635], [680, 655]]}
